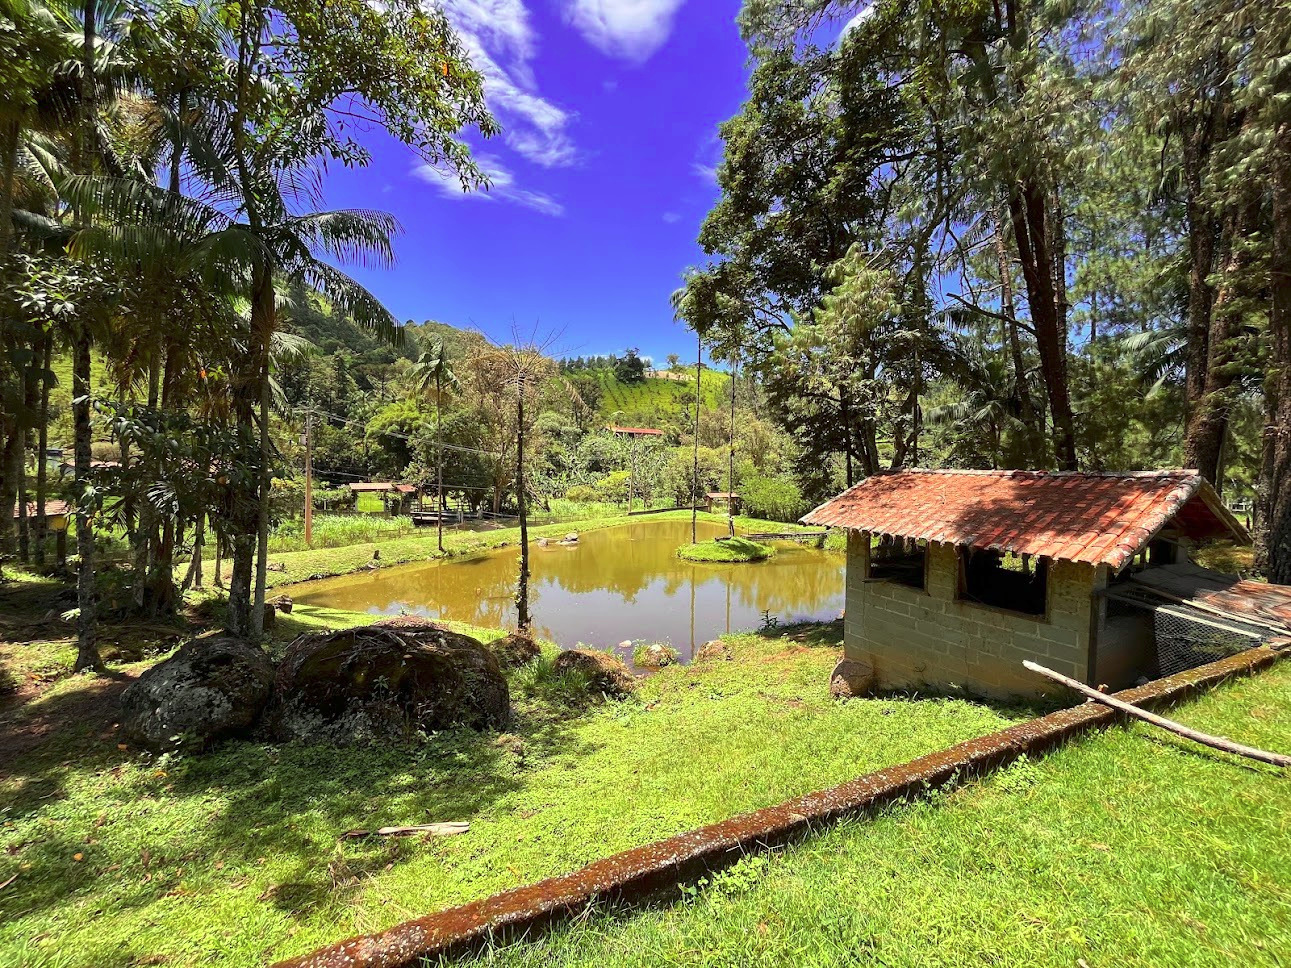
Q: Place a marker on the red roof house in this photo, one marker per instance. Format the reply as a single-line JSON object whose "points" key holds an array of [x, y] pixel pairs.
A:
{"points": [[635, 431], [954, 577]]}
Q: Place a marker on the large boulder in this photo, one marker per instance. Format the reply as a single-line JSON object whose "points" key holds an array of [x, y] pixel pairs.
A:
{"points": [[210, 689], [386, 681], [852, 678], [515, 650], [606, 673]]}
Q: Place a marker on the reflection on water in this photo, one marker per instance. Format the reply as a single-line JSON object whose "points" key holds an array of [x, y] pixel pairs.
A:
{"points": [[616, 584]]}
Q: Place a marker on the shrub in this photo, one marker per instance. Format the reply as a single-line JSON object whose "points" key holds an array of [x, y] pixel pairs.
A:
{"points": [[773, 498], [582, 493]]}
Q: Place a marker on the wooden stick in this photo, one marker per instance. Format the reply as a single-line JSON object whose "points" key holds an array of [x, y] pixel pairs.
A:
{"points": [[435, 829], [1217, 742]]}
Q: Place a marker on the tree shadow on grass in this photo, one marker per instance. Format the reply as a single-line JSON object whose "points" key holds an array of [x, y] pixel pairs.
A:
{"points": [[247, 803], [813, 635]]}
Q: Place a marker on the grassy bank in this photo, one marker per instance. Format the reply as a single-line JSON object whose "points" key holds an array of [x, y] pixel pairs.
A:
{"points": [[233, 858], [1130, 848]]}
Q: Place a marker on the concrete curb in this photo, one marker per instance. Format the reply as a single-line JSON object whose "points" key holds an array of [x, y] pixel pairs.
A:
{"points": [[637, 873]]}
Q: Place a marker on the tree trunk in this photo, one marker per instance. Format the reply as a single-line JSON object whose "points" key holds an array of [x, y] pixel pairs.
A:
{"points": [[522, 587], [439, 456], [1208, 418], [10, 136], [193, 577], [42, 444], [694, 477], [87, 652], [1275, 547], [1022, 392], [1203, 234], [265, 298], [730, 461], [1027, 210]]}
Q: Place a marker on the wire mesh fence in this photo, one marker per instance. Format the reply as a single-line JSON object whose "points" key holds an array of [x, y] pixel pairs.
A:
{"points": [[1185, 637]]}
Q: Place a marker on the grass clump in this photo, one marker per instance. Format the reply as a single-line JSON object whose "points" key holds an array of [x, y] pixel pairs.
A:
{"points": [[729, 550], [653, 655]]}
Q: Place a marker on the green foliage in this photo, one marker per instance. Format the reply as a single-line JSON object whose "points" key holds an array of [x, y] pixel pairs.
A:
{"points": [[774, 498]]}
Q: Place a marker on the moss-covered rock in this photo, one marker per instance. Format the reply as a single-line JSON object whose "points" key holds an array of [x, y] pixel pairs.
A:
{"points": [[386, 681], [210, 689]]}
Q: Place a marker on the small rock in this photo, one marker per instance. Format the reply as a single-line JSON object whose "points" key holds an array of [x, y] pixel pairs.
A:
{"points": [[714, 651], [625, 644], [514, 650], [606, 674], [282, 603], [852, 678], [572, 537], [275, 566]]}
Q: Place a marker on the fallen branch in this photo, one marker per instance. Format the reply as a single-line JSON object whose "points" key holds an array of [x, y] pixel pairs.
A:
{"points": [[1205, 739], [434, 829]]}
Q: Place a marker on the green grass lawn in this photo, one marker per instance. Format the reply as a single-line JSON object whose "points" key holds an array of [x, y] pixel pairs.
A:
{"points": [[233, 858], [1128, 848]]}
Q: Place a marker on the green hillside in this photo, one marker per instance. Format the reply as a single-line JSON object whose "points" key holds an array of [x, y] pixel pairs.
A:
{"points": [[656, 395]]}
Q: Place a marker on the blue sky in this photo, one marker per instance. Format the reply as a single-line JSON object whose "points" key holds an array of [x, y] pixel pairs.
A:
{"points": [[602, 174]]}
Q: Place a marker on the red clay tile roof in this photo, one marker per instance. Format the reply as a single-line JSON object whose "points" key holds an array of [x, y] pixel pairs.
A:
{"points": [[1094, 518], [636, 431], [52, 509]]}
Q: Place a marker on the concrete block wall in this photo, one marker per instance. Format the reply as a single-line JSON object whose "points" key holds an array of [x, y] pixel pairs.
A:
{"points": [[928, 637]]}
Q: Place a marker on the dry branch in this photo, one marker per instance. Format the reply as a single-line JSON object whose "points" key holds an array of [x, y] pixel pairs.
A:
{"points": [[434, 829], [1216, 742]]}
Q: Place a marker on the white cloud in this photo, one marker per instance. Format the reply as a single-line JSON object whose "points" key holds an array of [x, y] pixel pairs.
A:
{"points": [[671, 217], [501, 43], [862, 15], [707, 172], [502, 186], [628, 29]]}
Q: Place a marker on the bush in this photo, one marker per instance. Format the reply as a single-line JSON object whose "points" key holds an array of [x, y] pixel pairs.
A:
{"points": [[581, 493], [773, 498]]}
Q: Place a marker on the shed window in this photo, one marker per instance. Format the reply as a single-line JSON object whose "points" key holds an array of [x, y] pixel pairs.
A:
{"points": [[1005, 581], [900, 561]]}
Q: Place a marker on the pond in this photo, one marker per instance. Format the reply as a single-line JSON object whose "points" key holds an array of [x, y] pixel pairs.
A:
{"points": [[614, 585]]}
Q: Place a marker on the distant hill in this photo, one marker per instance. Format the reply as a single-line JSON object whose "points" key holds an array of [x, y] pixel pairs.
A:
{"points": [[660, 396]]}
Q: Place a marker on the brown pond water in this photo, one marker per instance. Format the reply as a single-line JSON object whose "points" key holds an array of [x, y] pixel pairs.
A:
{"points": [[616, 584]]}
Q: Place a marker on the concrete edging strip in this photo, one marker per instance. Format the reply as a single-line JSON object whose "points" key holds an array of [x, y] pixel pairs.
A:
{"points": [[641, 871]]}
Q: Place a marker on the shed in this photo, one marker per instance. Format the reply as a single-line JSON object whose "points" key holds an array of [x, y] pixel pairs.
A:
{"points": [[954, 577], [729, 499], [394, 497]]}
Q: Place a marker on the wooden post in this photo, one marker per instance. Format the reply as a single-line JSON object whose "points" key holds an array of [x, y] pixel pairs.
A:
{"points": [[309, 479]]}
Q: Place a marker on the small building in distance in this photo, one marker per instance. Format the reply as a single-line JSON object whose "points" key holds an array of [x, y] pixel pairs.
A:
{"points": [[955, 577], [722, 500], [57, 515], [634, 431], [394, 497]]}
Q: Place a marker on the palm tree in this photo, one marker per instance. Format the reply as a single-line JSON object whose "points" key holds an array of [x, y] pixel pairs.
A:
{"points": [[432, 372]]}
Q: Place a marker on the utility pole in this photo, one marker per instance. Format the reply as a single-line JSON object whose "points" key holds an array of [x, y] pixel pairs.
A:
{"points": [[309, 479]]}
